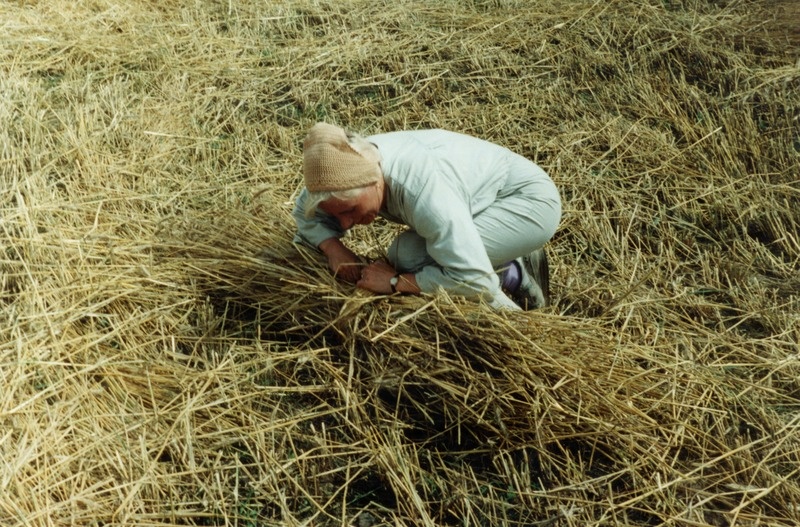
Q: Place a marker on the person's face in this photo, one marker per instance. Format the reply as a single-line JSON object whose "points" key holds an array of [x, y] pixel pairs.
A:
{"points": [[361, 210]]}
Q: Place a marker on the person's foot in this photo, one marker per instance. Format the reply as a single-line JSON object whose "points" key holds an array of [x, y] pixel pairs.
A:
{"points": [[534, 289]]}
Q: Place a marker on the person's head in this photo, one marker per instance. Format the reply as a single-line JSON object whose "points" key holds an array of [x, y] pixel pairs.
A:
{"points": [[342, 174]]}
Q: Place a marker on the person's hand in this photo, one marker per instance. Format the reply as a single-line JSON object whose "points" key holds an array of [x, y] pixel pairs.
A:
{"points": [[375, 277], [343, 263]]}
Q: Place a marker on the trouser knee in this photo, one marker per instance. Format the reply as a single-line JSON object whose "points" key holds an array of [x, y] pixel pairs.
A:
{"points": [[408, 252]]}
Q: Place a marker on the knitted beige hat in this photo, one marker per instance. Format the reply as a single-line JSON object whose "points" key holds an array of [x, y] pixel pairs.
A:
{"points": [[331, 164]]}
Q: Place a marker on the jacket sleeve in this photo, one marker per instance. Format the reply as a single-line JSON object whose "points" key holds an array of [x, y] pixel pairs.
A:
{"points": [[315, 230], [453, 241]]}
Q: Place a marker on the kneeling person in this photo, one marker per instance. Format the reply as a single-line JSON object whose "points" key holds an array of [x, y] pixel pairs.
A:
{"points": [[478, 214]]}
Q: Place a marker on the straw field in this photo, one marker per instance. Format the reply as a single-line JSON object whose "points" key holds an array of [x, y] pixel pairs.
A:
{"points": [[168, 357]]}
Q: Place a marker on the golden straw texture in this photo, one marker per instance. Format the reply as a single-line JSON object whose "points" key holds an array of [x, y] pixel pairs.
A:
{"points": [[169, 357]]}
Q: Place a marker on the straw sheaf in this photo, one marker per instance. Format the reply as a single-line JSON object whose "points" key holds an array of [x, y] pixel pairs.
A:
{"points": [[169, 357]]}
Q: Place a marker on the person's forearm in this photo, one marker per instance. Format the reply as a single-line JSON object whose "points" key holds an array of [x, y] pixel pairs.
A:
{"points": [[407, 283], [331, 245]]}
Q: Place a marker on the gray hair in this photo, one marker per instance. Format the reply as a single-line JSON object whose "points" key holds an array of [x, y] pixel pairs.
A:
{"points": [[314, 199], [363, 147]]}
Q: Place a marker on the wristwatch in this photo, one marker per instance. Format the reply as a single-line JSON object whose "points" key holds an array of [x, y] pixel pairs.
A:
{"points": [[393, 282]]}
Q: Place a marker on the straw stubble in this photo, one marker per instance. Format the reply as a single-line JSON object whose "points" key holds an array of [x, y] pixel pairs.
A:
{"points": [[169, 357]]}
